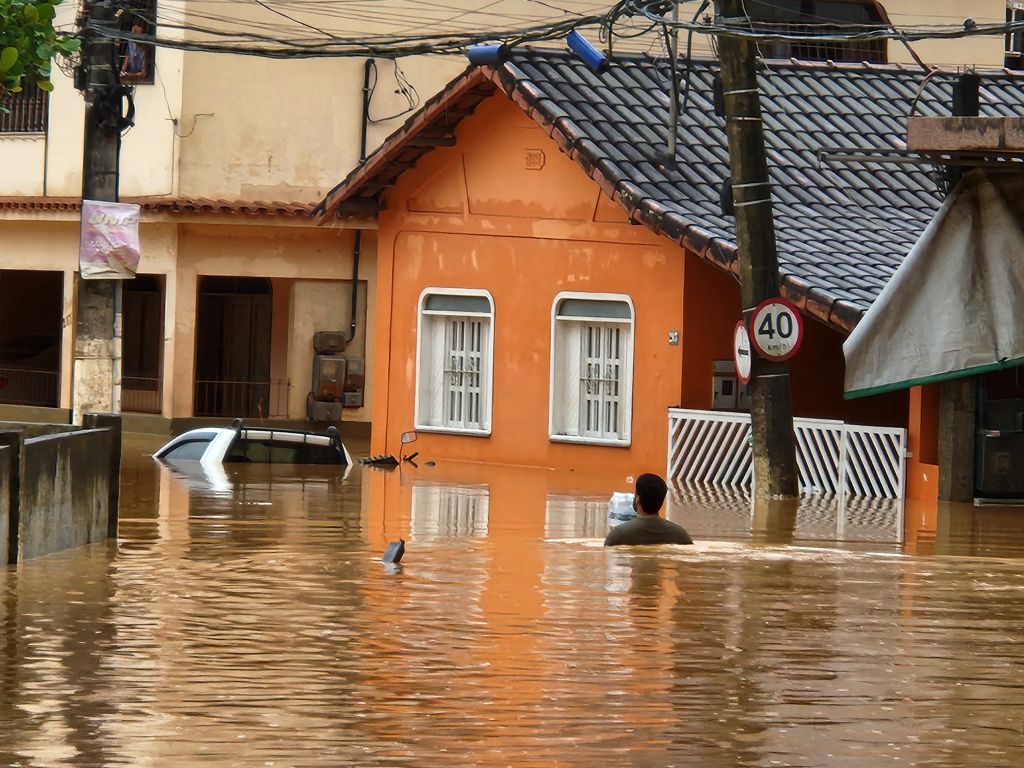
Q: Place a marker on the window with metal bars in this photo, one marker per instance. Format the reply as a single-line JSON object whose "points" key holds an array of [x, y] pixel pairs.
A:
{"points": [[816, 18], [25, 111], [454, 367], [1015, 39], [591, 369], [137, 60]]}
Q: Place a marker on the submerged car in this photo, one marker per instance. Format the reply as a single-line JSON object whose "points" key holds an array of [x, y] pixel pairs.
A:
{"points": [[257, 445]]}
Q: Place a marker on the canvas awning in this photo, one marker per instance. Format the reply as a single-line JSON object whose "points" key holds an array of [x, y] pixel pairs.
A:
{"points": [[951, 309]]}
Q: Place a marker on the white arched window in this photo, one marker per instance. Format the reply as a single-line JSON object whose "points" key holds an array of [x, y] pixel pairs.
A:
{"points": [[591, 368], [454, 361]]}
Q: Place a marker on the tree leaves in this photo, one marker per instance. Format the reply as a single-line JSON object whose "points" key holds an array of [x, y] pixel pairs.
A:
{"points": [[8, 56], [28, 43]]}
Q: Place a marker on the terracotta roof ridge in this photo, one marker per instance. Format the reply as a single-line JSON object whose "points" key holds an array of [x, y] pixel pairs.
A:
{"points": [[159, 202]]}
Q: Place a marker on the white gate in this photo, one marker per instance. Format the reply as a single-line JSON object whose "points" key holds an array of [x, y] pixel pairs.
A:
{"points": [[713, 448]]}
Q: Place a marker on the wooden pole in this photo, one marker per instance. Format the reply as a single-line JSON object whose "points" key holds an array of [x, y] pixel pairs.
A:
{"points": [[771, 409]]}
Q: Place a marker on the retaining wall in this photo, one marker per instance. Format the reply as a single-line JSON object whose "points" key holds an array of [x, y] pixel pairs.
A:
{"points": [[58, 486]]}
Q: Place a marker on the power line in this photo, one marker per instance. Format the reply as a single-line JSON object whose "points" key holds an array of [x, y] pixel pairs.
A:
{"points": [[225, 34]]}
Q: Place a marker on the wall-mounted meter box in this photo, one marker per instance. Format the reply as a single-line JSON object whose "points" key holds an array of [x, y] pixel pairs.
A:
{"points": [[329, 342], [329, 376], [724, 385]]}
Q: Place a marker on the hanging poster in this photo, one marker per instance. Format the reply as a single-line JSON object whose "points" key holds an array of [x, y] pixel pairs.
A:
{"points": [[109, 245]]}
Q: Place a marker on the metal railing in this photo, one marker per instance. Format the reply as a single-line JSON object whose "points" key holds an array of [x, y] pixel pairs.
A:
{"points": [[713, 448], [811, 49], [22, 386], [259, 399], [141, 395], [25, 111]]}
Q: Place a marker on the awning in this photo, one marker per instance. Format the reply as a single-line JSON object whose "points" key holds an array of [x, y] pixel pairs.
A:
{"points": [[951, 309]]}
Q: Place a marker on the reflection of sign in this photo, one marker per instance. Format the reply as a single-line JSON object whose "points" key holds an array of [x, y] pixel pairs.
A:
{"points": [[776, 329], [535, 159], [109, 244], [741, 352]]}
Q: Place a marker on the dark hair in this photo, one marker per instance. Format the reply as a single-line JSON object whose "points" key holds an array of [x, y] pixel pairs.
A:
{"points": [[650, 492]]}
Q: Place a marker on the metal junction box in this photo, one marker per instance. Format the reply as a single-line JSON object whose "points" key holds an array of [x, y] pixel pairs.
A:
{"points": [[330, 373], [329, 342]]}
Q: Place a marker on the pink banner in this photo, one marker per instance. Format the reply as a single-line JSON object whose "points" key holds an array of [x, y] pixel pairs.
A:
{"points": [[109, 247]]}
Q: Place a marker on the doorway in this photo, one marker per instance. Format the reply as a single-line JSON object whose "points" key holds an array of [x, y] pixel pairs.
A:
{"points": [[31, 327], [143, 314], [233, 329]]}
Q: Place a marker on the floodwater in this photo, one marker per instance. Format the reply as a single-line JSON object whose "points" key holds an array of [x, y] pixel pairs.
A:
{"points": [[243, 618]]}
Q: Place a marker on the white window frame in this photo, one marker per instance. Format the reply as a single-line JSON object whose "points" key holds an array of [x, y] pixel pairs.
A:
{"points": [[487, 374], [627, 379]]}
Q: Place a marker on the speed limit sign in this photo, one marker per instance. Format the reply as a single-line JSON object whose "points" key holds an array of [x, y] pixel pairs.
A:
{"points": [[776, 329]]}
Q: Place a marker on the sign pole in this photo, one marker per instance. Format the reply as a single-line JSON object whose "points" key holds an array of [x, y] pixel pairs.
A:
{"points": [[771, 409]]}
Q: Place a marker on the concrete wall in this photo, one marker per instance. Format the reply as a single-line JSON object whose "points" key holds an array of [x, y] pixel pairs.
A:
{"points": [[65, 492], [59, 486]]}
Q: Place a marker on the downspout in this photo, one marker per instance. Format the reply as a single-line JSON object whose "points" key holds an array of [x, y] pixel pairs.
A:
{"points": [[358, 241]]}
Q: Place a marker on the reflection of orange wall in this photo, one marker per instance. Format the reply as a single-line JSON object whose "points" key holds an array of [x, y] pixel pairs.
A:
{"points": [[922, 443]]}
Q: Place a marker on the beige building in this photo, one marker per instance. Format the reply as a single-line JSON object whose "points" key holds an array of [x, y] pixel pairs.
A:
{"points": [[228, 156]]}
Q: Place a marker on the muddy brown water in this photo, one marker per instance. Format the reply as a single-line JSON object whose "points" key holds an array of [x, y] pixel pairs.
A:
{"points": [[243, 618]]}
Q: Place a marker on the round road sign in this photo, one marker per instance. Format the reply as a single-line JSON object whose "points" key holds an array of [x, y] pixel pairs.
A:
{"points": [[741, 354], [776, 329]]}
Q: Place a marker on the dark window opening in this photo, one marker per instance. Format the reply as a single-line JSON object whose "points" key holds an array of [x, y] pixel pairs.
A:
{"points": [[1015, 40], [25, 111], [137, 61], [192, 450], [281, 452], [816, 18], [142, 344], [233, 329]]}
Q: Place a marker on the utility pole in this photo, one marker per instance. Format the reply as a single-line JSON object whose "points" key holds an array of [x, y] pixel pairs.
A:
{"points": [[96, 378], [771, 408]]}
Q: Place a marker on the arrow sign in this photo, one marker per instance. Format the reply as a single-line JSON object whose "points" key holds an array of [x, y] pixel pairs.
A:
{"points": [[741, 354]]}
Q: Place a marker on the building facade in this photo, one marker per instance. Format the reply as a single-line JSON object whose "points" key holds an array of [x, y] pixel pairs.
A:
{"points": [[227, 157]]}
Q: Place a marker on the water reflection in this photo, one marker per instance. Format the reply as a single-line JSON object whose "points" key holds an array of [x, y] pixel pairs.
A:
{"points": [[245, 618]]}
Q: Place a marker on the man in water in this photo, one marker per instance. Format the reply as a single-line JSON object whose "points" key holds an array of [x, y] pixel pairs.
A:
{"points": [[648, 527]]}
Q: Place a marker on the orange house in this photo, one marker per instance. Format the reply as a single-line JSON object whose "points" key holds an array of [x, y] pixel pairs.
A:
{"points": [[550, 285]]}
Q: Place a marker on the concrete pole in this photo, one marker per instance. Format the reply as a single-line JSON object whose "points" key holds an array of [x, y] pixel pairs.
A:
{"points": [[96, 375], [771, 409]]}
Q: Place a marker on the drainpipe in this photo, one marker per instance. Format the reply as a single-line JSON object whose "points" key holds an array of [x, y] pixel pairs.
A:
{"points": [[358, 241]]}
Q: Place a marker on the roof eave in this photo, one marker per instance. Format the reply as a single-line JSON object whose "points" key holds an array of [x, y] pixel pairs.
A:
{"points": [[373, 174]]}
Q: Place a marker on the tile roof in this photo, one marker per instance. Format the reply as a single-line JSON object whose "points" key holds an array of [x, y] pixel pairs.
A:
{"points": [[164, 205], [842, 227]]}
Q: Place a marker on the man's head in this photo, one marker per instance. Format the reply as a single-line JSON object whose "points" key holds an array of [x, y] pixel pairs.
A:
{"points": [[650, 493]]}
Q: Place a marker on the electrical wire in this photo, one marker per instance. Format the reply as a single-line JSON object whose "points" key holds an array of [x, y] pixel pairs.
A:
{"points": [[218, 33]]}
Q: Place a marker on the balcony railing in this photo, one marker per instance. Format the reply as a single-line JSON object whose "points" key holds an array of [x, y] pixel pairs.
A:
{"points": [[811, 49], [25, 111], [20, 386], [141, 395], [259, 399]]}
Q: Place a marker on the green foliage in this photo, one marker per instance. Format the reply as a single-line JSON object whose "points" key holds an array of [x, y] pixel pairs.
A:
{"points": [[28, 43]]}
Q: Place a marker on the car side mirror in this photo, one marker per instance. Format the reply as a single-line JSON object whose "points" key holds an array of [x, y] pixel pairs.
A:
{"points": [[408, 437]]}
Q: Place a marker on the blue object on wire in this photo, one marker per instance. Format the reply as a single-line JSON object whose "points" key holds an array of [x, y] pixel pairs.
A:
{"points": [[583, 48], [488, 55]]}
